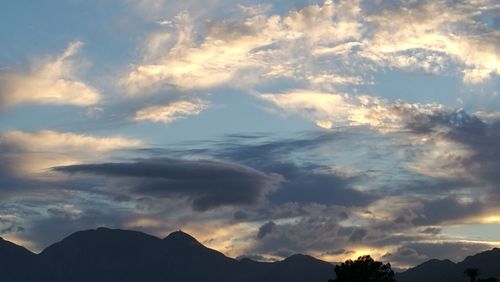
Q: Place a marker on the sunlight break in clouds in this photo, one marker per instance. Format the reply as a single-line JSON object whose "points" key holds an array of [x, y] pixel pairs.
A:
{"points": [[50, 81], [172, 111]]}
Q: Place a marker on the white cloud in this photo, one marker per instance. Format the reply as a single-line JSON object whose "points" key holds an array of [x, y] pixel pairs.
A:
{"points": [[50, 81], [233, 51], [488, 117], [172, 111], [213, 62], [328, 44], [328, 110], [428, 35]]}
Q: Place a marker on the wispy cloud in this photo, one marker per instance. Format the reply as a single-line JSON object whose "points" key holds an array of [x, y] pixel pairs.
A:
{"points": [[322, 45], [52, 80], [257, 45], [431, 33], [172, 111]]}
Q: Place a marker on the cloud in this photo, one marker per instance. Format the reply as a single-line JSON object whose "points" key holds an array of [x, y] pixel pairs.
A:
{"points": [[207, 184], [35, 152], [326, 46], [171, 112], [304, 186], [445, 210], [405, 256], [461, 148], [226, 50], [50, 81], [266, 229], [430, 33], [250, 47], [357, 235], [304, 182], [329, 110], [432, 230], [482, 162], [310, 233]]}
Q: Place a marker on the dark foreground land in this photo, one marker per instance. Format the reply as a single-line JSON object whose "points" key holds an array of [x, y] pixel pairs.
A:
{"points": [[110, 255]]}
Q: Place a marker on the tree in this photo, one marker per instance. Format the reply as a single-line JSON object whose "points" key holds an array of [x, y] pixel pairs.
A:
{"points": [[472, 273], [364, 269]]}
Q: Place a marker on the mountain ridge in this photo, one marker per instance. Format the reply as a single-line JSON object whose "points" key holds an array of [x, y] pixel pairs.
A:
{"points": [[106, 255], [434, 270]]}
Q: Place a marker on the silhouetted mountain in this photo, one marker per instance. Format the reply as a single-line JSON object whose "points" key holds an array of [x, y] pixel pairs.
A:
{"points": [[109, 255], [487, 262], [103, 255], [301, 268], [14, 261], [432, 271]]}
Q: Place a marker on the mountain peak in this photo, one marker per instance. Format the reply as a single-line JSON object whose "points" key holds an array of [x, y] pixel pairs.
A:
{"points": [[104, 232], [180, 237], [298, 257]]}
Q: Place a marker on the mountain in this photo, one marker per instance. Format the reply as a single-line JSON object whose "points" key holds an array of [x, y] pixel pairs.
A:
{"points": [[112, 255], [14, 260], [103, 255], [487, 262], [432, 271]]}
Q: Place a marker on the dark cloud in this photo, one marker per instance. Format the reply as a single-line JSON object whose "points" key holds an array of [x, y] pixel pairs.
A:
{"points": [[484, 161], [339, 252], [431, 230], [304, 186], [240, 215], [357, 235], [458, 120], [306, 182], [206, 183], [405, 256], [442, 210], [310, 233], [391, 238], [479, 137], [266, 229], [261, 151], [352, 233]]}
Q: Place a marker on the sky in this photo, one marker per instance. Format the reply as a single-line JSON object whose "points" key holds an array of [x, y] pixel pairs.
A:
{"points": [[262, 128]]}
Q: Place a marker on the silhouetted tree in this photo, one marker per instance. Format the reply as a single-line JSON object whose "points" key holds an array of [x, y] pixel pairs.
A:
{"points": [[364, 269], [472, 273]]}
